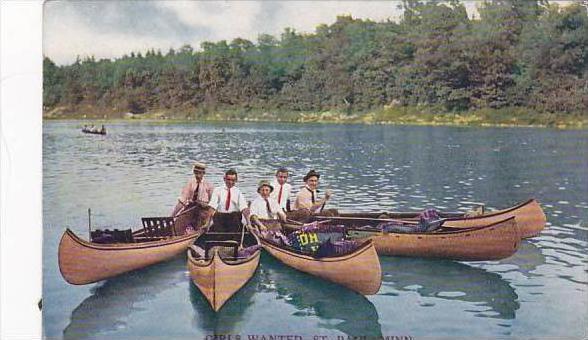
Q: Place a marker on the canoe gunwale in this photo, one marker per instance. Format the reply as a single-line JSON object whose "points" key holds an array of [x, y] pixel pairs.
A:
{"points": [[129, 246], [453, 231], [363, 247], [494, 213]]}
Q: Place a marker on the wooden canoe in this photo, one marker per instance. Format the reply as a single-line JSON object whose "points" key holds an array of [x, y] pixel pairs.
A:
{"points": [[216, 273], [82, 262], [529, 215], [490, 242], [359, 271]]}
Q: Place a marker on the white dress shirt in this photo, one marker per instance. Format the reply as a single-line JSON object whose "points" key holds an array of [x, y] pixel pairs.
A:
{"points": [[219, 198], [286, 189], [259, 208]]}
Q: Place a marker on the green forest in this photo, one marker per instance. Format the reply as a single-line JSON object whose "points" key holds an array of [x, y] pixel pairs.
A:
{"points": [[527, 59]]}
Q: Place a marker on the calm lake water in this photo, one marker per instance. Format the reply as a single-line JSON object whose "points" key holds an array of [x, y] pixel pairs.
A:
{"points": [[138, 170]]}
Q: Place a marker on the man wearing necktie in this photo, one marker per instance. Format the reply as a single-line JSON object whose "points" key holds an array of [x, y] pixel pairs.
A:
{"points": [[265, 210], [282, 189], [307, 200], [196, 192], [228, 205]]}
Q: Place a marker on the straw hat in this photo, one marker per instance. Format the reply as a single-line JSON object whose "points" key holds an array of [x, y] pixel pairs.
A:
{"points": [[198, 166], [262, 183]]}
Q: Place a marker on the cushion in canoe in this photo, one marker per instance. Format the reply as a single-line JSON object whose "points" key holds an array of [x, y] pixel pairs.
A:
{"points": [[111, 236]]}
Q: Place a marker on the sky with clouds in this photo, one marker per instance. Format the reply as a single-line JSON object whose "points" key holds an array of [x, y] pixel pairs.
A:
{"points": [[110, 29]]}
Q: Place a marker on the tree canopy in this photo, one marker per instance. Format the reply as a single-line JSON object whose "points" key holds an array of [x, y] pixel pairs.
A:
{"points": [[517, 53]]}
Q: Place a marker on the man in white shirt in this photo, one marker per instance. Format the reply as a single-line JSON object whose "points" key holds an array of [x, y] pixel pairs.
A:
{"points": [[282, 189], [264, 207], [228, 205]]}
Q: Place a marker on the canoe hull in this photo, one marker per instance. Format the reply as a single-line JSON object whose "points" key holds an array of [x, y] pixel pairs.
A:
{"points": [[82, 262], [530, 218], [529, 215], [493, 242], [219, 280], [359, 271]]}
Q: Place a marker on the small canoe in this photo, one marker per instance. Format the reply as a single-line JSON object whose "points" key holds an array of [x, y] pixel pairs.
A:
{"points": [[489, 242], [529, 215], [358, 270], [218, 268], [82, 262], [94, 132]]}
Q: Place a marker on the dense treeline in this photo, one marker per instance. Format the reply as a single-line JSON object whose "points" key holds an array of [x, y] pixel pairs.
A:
{"points": [[515, 54]]}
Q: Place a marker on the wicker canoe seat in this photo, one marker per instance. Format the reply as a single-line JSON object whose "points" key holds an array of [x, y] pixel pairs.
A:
{"points": [[158, 227]]}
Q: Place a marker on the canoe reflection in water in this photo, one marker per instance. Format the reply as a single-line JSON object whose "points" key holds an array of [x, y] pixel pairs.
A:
{"points": [[451, 280], [115, 300], [527, 259], [341, 308], [226, 319]]}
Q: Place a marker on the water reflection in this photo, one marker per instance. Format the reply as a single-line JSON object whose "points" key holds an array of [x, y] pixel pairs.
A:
{"points": [[527, 258], [111, 303], [341, 309], [451, 280], [224, 321]]}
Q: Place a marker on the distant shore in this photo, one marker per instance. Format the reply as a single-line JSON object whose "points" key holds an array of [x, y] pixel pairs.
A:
{"points": [[509, 117]]}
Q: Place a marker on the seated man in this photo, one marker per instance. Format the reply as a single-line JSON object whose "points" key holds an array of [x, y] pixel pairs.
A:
{"points": [[265, 210], [228, 205], [196, 192], [307, 202]]}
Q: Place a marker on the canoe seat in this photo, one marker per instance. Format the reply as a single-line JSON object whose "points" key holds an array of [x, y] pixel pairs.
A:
{"points": [[225, 248], [158, 226]]}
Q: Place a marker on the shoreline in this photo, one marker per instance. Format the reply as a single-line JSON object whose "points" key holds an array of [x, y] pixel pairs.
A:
{"points": [[516, 117]]}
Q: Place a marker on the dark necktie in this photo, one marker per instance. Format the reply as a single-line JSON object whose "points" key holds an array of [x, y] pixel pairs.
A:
{"points": [[280, 195], [312, 195], [228, 202], [196, 193], [269, 209]]}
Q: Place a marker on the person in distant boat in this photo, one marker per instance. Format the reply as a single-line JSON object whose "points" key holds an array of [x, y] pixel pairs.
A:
{"points": [[196, 191], [265, 207], [228, 205], [282, 189], [307, 201], [103, 129], [85, 128]]}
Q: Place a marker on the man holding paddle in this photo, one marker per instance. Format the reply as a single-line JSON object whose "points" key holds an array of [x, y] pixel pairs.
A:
{"points": [[307, 201], [196, 190], [191, 209]]}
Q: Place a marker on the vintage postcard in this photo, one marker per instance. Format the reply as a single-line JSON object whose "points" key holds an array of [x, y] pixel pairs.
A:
{"points": [[324, 170]]}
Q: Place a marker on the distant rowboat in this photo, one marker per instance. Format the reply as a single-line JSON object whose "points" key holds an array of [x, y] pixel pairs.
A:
{"points": [[94, 132]]}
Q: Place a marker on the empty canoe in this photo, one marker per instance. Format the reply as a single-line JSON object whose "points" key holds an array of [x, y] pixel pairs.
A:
{"points": [[82, 262], [530, 217], [218, 268], [490, 242]]}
